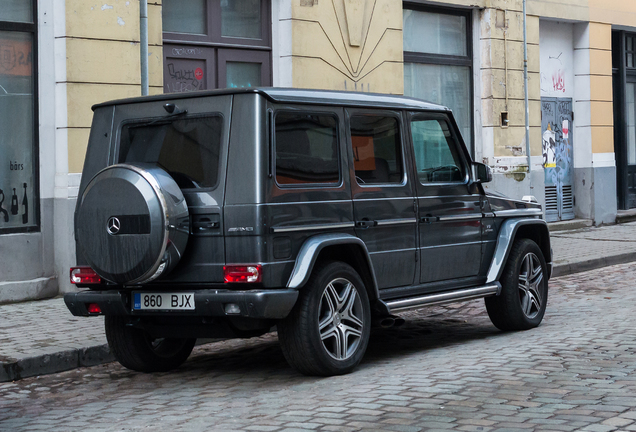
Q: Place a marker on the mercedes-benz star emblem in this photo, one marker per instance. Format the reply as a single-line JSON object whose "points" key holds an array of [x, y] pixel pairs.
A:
{"points": [[113, 226]]}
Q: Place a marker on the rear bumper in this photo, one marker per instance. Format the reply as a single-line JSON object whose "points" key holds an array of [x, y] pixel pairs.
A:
{"points": [[270, 304]]}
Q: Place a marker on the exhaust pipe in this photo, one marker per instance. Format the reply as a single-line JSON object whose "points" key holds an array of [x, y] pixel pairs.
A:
{"points": [[388, 321]]}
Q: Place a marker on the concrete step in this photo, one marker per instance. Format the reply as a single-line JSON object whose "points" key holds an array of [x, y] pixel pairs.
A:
{"points": [[624, 216], [569, 225]]}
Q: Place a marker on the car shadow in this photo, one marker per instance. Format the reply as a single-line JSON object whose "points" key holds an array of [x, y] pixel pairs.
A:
{"points": [[263, 355]]}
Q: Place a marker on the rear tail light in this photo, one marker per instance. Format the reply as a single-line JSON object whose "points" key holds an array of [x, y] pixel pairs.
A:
{"points": [[84, 275], [93, 308], [243, 273]]}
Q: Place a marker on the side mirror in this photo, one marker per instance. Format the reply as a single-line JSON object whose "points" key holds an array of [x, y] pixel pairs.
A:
{"points": [[482, 172]]}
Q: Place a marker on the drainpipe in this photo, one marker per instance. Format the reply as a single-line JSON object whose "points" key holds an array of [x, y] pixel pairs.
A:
{"points": [[525, 78], [143, 45]]}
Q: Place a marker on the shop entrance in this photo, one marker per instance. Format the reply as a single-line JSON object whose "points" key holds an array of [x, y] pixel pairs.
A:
{"points": [[556, 129]]}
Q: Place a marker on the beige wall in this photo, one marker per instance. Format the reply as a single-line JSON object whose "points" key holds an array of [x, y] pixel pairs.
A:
{"points": [[501, 44], [616, 12], [348, 44], [102, 51]]}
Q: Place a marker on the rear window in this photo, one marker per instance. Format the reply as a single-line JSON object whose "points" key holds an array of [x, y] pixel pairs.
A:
{"points": [[188, 148], [306, 149]]}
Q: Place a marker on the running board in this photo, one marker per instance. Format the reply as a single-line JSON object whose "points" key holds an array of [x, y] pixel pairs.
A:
{"points": [[445, 297]]}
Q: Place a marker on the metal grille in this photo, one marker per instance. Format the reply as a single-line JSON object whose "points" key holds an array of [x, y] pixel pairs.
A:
{"points": [[551, 204], [567, 206]]}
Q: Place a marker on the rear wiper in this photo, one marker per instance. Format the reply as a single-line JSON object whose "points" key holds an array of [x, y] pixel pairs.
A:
{"points": [[173, 111]]}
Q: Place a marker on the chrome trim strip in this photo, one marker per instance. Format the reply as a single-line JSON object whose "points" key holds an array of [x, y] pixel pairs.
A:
{"points": [[393, 251], [385, 198], [335, 225], [452, 245], [446, 297], [459, 217], [519, 212], [489, 215], [385, 222]]}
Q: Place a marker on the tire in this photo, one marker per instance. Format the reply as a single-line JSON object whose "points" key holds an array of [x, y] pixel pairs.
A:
{"points": [[334, 303], [135, 349], [522, 302]]}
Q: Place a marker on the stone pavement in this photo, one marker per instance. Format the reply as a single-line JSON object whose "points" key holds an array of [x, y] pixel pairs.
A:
{"points": [[42, 337], [589, 248], [448, 368]]}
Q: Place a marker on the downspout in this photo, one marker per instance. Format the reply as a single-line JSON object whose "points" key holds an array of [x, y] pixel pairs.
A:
{"points": [[525, 78], [143, 45]]}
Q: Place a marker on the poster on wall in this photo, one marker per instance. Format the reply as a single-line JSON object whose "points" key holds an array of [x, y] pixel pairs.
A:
{"points": [[17, 170]]}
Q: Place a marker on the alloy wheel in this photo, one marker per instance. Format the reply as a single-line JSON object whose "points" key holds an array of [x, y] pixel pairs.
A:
{"points": [[340, 319], [530, 285]]}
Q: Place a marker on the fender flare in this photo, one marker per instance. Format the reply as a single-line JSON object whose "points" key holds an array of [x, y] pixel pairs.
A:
{"points": [[310, 250], [507, 234]]}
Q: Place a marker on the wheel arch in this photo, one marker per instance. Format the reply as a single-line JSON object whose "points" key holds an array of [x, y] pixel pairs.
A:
{"points": [[512, 229], [336, 247]]}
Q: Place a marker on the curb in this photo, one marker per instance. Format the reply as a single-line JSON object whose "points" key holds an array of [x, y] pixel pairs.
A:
{"points": [[55, 362], [592, 264]]}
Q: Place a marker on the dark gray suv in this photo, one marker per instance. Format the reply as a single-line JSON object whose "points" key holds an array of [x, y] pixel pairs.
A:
{"points": [[226, 213]]}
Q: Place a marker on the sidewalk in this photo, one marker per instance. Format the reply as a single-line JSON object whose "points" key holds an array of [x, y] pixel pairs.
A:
{"points": [[42, 337]]}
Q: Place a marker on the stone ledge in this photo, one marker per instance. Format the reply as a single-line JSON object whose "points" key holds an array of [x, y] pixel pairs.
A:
{"points": [[34, 289]]}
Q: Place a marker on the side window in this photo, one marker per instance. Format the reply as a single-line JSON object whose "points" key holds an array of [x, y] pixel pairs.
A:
{"points": [[306, 149], [436, 156], [377, 149]]}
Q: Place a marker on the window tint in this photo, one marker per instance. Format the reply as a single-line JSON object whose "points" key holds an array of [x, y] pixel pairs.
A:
{"points": [[436, 155], [306, 149], [188, 149], [377, 152]]}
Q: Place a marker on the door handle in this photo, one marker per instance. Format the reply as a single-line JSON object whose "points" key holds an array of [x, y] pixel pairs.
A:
{"points": [[429, 219], [205, 225], [366, 223]]}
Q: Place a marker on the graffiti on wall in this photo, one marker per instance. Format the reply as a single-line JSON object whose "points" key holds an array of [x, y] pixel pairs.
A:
{"points": [[558, 80], [183, 79], [553, 76]]}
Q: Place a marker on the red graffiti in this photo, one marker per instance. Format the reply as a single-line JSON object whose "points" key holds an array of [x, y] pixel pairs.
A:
{"points": [[558, 80], [198, 73]]}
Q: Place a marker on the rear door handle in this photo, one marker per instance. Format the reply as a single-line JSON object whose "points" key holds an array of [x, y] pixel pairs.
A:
{"points": [[429, 219], [366, 224], [205, 225]]}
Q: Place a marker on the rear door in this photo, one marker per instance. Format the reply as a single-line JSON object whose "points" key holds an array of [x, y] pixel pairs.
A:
{"points": [[192, 147], [449, 212], [383, 195]]}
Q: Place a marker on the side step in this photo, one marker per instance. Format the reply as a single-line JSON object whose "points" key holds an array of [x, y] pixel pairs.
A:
{"points": [[445, 297]]}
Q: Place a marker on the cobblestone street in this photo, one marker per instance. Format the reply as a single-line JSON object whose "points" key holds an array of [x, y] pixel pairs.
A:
{"points": [[447, 368]]}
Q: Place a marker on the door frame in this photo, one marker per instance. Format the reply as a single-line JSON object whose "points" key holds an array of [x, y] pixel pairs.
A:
{"points": [[621, 75]]}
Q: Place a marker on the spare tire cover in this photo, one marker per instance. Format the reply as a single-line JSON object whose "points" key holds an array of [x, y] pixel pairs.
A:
{"points": [[132, 223]]}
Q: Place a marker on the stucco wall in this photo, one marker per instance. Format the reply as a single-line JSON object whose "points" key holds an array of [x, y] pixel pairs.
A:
{"points": [[102, 62], [348, 45]]}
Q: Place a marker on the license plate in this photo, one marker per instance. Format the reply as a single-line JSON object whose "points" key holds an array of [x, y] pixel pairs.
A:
{"points": [[163, 301]]}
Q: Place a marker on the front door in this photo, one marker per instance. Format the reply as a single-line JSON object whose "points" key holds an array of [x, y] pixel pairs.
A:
{"points": [[556, 127], [383, 196], [450, 213], [630, 117]]}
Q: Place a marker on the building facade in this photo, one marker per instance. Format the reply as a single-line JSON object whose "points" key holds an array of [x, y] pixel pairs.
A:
{"points": [[58, 57]]}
